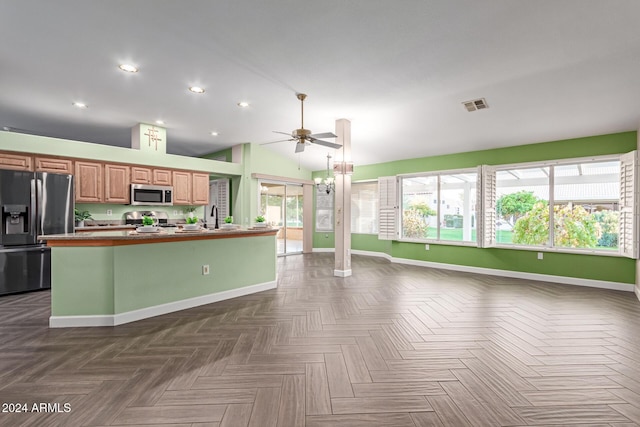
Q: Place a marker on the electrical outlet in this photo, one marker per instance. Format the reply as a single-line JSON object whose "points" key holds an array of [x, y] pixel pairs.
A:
{"points": [[175, 212], [540, 255], [205, 269], [426, 247], [109, 212]]}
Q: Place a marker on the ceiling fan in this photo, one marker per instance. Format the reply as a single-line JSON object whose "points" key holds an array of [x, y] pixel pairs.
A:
{"points": [[304, 136]]}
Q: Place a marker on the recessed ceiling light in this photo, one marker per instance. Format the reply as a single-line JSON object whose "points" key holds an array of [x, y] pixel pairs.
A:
{"points": [[214, 133], [128, 68], [196, 89], [243, 104], [80, 105], [159, 122]]}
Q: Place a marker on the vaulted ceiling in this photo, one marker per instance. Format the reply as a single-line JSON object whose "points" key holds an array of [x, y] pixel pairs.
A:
{"points": [[399, 70]]}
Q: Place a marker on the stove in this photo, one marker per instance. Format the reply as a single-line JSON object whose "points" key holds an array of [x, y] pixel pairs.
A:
{"points": [[135, 218]]}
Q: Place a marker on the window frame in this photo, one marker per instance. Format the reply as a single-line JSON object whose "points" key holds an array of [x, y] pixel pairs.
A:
{"points": [[438, 174], [550, 246]]}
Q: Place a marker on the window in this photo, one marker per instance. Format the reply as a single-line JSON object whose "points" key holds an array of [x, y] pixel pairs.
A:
{"points": [[364, 207], [520, 191], [439, 207], [567, 205]]}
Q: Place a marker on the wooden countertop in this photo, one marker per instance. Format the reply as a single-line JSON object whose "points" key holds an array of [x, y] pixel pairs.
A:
{"points": [[132, 237]]}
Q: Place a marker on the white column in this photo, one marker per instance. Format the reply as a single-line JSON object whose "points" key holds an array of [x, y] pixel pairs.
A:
{"points": [[343, 202]]}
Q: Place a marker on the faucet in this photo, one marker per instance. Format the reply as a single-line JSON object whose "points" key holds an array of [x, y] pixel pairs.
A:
{"points": [[214, 212]]}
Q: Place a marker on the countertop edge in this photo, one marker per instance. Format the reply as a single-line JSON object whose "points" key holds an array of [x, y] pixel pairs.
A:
{"points": [[131, 238]]}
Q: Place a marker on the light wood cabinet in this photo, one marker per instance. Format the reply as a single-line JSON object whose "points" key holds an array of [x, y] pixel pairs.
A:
{"points": [[19, 162], [117, 184], [89, 182], [200, 189], [140, 175], [162, 177], [181, 188], [54, 165], [143, 175]]}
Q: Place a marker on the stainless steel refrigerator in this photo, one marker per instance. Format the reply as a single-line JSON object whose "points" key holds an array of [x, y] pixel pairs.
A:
{"points": [[31, 204]]}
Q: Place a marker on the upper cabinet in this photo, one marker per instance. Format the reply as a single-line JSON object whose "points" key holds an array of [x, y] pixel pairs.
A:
{"points": [[117, 184], [162, 177], [141, 175], [20, 162], [89, 182], [54, 165], [200, 189], [144, 175], [190, 188], [181, 188]]}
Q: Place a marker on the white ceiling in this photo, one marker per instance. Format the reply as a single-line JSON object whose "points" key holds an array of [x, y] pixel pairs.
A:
{"points": [[399, 70]]}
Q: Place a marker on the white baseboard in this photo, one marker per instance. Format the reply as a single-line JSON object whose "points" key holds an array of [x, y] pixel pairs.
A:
{"points": [[324, 250], [342, 273], [521, 275], [637, 291], [145, 313], [603, 284]]}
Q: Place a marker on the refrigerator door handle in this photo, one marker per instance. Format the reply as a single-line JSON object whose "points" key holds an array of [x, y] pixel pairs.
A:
{"points": [[33, 213]]}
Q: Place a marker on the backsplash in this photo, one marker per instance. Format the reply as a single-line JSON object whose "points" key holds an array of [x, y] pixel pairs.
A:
{"points": [[99, 211]]}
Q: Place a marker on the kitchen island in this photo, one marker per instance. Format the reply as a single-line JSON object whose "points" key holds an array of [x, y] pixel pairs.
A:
{"points": [[107, 278]]}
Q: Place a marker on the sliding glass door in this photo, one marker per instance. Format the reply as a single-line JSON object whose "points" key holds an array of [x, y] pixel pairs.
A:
{"points": [[281, 205]]}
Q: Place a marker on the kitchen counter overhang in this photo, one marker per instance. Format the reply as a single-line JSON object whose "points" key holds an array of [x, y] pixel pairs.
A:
{"points": [[108, 278], [132, 237]]}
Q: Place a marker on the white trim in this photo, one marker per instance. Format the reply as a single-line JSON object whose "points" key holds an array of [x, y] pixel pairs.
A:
{"points": [[370, 253], [637, 291], [147, 312], [342, 273], [324, 249], [602, 284]]}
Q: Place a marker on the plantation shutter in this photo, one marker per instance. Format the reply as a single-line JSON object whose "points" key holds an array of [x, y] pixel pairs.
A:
{"points": [[627, 238], [479, 222], [388, 208], [219, 196], [487, 236]]}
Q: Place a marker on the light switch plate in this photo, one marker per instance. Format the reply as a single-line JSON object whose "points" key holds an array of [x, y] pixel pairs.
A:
{"points": [[540, 255], [205, 269]]}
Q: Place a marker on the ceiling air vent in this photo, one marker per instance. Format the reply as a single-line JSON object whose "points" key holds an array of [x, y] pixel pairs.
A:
{"points": [[476, 104]]}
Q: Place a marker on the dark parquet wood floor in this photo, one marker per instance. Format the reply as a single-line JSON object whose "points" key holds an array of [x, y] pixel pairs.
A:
{"points": [[393, 345]]}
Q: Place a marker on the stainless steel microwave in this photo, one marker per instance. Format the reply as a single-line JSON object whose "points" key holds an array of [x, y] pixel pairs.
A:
{"points": [[151, 195]]}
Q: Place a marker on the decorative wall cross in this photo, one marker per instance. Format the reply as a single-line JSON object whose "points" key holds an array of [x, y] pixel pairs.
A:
{"points": [[152, 133]]}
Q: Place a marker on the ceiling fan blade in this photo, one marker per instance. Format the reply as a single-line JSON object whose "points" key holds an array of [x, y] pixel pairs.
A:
{"points": [[284, 133], [324, 135], [299, 147], [280, 140], [325, 143]]}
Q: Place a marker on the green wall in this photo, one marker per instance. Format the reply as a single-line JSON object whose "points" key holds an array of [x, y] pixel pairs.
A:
{"points": [[257, 159], [117, 279], [10, 141], [605, 268]]}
